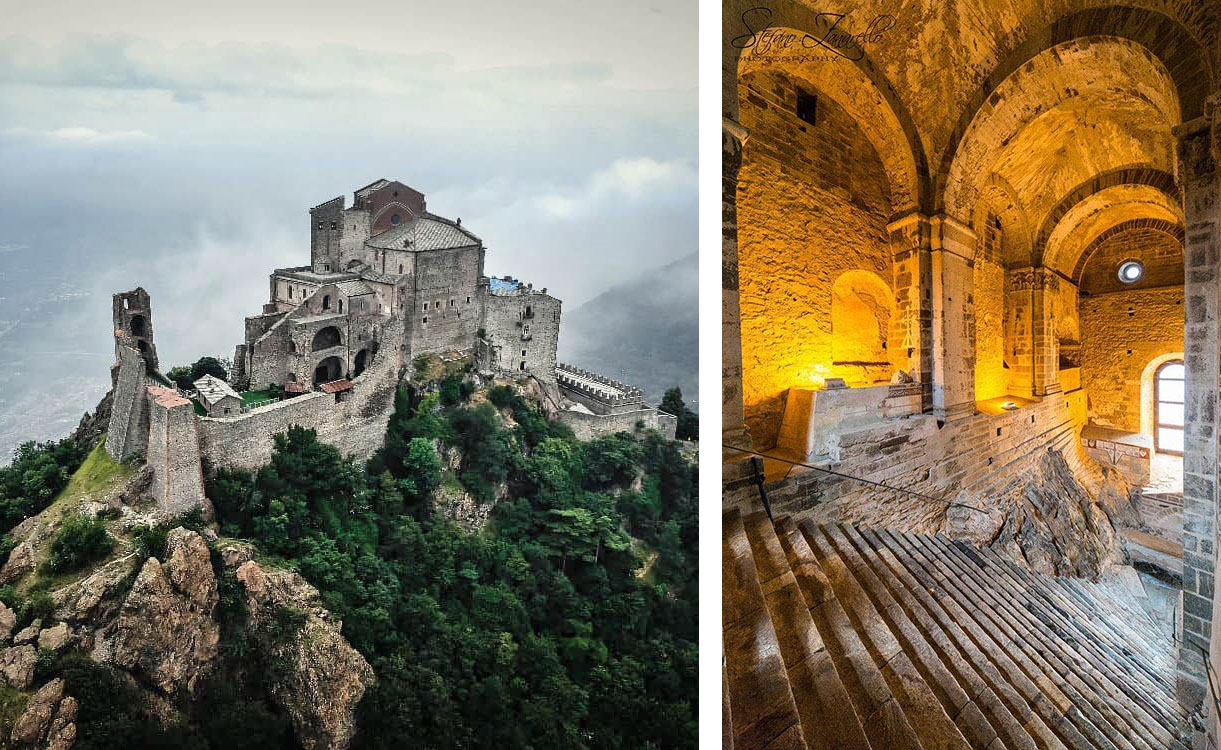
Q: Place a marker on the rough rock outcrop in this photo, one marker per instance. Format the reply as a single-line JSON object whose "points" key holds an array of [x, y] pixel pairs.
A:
{"points": [[1047, 519], [49, 720], [165, 633], [326, 677], [17, 665], [20, 561]]}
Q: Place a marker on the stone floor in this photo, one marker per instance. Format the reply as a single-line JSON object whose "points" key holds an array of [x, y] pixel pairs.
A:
{"points": [[841, 636]]}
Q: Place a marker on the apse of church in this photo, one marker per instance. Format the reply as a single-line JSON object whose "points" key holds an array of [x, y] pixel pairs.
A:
{"points": [[970, 285]]}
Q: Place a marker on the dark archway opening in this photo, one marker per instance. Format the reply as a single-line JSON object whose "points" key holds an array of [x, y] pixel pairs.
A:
{"points": [[137, 325], [327, 370], [358, 366], [327, 338]]}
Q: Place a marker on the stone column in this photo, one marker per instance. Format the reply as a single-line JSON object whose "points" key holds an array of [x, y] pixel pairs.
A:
{"points": [[911, 338], [1199, 153], [1034, 347], [952, 254], [733, 427]]}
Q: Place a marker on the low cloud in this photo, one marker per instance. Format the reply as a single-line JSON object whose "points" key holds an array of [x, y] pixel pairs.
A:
{"points": [[79, 134], [630, 179]]}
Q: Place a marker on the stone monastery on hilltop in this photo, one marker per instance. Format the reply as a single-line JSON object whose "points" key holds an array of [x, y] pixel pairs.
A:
{"points": [[387, 282]]}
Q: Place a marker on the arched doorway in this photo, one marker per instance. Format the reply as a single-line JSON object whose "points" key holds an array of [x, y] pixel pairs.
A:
{"points": [[137, 325], [1170, 383], [327, 338], [327, 370], [358, 366]]}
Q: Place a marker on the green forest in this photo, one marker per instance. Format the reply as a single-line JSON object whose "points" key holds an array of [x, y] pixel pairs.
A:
{"points": [[567, 621]]}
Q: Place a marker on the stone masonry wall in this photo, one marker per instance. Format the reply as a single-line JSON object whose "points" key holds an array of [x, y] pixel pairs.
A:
{"points": [[970, 461], [445, 293], [514, 339], [355, 425], [1121, 333], [590, 426], [173, 453], [812, 203], [128, 429]]}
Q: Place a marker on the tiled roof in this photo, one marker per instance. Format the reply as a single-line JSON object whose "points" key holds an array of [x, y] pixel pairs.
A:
{"points": [[424, 232], [295, 388], [212, 389], [353, 288], [336, 386]]}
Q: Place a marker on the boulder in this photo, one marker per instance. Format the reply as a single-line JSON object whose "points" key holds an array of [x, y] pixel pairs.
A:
{"points": [[165, 632], [31, 727], [55, 638], [17, 665], [8, 618], [28, 635], [20, 561], [325, 677]]}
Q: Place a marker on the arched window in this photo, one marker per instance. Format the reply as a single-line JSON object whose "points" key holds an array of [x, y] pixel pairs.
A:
{"points": [[326, 302], [340, 305], [1169, 398]]}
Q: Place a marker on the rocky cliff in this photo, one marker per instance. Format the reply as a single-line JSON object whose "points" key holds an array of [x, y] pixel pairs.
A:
{"points": [[159, 619]]}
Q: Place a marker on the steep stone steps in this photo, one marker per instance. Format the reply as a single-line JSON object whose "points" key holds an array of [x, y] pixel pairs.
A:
{"points": [[878, 639]]}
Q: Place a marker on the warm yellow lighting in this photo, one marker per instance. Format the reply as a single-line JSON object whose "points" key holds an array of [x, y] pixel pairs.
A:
{"points": [[1009, 406]]}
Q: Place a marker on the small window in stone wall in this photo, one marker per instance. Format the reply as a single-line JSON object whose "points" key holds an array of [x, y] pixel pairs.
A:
{"points": [[807, 107], [334, 226], [425, 319]]}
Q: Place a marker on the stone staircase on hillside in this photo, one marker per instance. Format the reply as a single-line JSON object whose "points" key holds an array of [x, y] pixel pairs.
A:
{"points": [[844, 637]]}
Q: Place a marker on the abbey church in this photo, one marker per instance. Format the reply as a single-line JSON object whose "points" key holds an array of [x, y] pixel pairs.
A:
{"points": [[390, 288], [971, 275]]}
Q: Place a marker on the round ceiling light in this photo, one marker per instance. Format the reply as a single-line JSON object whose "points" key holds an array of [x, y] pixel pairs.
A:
{"points": [[1130, 271]]}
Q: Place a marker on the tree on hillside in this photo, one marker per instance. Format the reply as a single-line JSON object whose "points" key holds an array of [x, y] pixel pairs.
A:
{"points": [[688, 421], [185, 377]]}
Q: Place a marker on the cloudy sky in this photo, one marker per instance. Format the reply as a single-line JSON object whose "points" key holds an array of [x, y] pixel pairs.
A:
{"points": [[178, 146]]}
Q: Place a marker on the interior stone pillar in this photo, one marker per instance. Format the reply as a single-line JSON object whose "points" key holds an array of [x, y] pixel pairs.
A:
{"points": [[952, 273], [1034, 346], [733, 427], [1199, 151], [911, 341]]}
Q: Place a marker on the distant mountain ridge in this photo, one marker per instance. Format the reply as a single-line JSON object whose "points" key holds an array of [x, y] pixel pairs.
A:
{"points": [[644, 332]]}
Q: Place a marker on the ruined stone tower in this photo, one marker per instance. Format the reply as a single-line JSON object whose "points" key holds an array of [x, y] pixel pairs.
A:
{"points": [[133, 324]]}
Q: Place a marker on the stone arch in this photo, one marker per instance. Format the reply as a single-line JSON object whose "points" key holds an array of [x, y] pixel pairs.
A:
{"points": [[1132, 175], [998, 199], [1097, 212], [870, 100], [1163, 37], [862, 314], [360, 362], [1173, 229], [137, 324], [326, 338], [1121, 96], [327, 370], [1147, 376]]}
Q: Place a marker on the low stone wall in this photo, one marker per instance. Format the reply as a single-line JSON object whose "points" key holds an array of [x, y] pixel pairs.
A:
{"points": [[355, 425], [815, 420], [973, 473], [589, 426]]}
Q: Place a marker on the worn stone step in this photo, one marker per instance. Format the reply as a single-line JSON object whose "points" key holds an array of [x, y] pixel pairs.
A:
{"points": [[1042, 658], [760, 697], [823, 705], [914, 618], [959, 706], [1043, 719], [883, 719], [1104, 641], [1090, 679]]}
